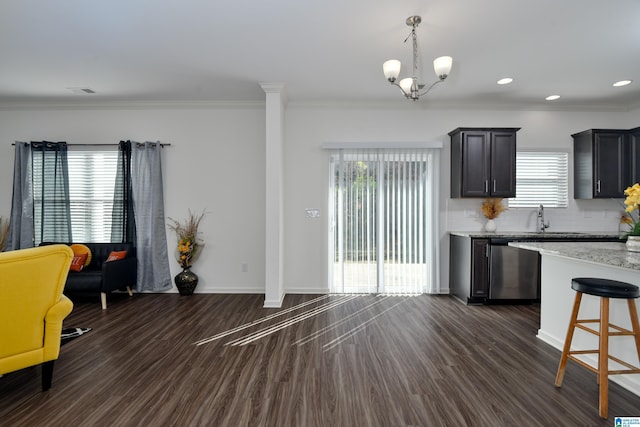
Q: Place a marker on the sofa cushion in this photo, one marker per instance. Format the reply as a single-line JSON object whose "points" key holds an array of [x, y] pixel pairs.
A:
{"points": [[79, 248], [116, 255], [77, 263], [84, 281]]}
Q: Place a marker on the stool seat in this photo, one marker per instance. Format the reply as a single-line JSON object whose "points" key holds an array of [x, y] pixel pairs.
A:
{"points": [[605, 287]]}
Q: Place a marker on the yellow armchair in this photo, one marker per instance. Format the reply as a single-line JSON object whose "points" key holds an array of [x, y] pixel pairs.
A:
{"points": [[32, 307]]}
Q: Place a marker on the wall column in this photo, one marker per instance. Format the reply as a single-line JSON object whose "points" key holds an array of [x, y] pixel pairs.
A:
{"points": [[275, 102]]}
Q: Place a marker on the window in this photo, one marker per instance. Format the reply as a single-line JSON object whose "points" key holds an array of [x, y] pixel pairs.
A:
{"points": [[92, 177], [541, 178]]}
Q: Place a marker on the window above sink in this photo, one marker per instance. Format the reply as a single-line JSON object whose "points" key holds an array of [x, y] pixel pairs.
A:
{"points": [[541, 178]]}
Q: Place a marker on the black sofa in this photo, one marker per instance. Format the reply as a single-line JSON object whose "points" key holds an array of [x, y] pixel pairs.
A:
{"points": [[104, 277]]}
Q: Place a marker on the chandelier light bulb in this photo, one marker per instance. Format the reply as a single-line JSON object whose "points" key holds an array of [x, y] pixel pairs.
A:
{"points": [[406, 85], [391, 69], [442, 66]]}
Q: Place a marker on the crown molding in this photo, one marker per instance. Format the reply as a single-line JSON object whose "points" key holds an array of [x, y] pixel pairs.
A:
{"points": [[399, 104], [133, 105]]}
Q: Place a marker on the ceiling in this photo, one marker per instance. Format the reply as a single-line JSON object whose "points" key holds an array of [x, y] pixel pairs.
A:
{"points": [[329, 51]]}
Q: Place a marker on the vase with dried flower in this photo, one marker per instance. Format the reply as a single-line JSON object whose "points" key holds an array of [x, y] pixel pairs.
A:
{"points": [[188, 249], [492, 208], [630, 218]]}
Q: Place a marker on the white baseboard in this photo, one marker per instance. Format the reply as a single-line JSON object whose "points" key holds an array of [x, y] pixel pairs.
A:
{"points": [[274, 303]]}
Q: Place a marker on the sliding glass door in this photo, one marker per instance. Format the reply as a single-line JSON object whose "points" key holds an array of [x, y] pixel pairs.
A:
{"points": [[383, 223]]}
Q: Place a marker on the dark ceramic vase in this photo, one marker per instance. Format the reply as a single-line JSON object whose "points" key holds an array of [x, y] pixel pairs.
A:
{"points": [[186, 281]]}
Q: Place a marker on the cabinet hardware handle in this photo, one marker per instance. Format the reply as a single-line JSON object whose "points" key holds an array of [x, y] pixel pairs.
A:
{"points": [[494, 185], [486, 185], [598, 186]]}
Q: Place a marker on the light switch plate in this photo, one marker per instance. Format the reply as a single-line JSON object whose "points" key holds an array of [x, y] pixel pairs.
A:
{"points": [[312, 213]]}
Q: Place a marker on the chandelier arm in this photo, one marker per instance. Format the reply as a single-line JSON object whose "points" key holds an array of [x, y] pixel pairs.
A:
{"points": [[430, 87], [407, 95]]}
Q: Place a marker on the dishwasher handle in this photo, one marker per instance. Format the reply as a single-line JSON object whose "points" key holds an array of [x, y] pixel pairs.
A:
{"points": [[499, 241]]}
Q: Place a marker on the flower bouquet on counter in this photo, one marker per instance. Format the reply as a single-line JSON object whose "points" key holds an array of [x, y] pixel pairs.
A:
{"points": [[492, 208], [630, 215]]}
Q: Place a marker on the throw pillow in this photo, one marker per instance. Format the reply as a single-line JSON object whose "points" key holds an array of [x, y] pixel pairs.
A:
{"points": [[77, 263], [78, 249], [116, 255]]}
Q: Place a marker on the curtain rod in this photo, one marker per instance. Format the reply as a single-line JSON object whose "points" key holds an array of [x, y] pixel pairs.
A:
{"points": [[102, 145]]}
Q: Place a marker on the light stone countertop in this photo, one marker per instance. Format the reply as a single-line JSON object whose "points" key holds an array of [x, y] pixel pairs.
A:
{"points": [[604, 253], [536, 235]]}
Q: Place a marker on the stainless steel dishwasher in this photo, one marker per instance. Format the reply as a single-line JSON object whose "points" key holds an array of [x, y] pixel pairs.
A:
{"points": [[514, 273]]}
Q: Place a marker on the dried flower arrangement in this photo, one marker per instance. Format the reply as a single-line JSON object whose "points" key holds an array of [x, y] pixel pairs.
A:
{"points": [[492, 208], [189, 245]]}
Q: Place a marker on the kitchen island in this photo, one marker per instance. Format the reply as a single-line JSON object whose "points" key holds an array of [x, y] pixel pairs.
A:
{"points": [[560, 262]]}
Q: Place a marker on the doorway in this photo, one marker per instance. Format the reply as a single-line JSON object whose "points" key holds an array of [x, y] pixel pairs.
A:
{"points": [[382, 235]]}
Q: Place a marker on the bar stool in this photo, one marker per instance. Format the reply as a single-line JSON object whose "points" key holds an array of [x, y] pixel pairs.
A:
{"points": [[605, 289]]}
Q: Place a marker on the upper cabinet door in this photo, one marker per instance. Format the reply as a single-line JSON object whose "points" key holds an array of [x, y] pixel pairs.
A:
{"points": [[603, 163], [634, 148], [503, 164], [476, 174], [611, 165]]}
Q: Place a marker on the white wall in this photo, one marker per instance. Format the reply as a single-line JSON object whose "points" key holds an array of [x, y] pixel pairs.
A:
{"points": [[217, 162]]}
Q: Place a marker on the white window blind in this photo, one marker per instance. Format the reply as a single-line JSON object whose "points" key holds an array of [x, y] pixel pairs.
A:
{"points": [[541, 178], [92, 177]]}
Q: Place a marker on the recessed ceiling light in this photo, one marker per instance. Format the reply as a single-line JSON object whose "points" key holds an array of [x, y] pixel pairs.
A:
{"points": [[552, 97], [505, 81], [622, 83]]}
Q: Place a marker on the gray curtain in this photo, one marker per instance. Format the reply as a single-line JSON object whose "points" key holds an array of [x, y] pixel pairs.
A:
{"points": [[123, 226], [51, 201], [21, 219], [148, 206]]}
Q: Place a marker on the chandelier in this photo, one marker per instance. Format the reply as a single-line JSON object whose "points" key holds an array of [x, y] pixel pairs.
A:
{"points": [[410, 86]]}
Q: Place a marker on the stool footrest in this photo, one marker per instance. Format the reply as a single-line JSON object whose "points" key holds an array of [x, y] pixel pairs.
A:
{"points": [[631, 369], [620, 330]]}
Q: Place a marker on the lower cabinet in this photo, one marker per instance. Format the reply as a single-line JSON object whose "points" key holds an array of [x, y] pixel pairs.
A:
{"points": [[469, 269], [483, 269]]}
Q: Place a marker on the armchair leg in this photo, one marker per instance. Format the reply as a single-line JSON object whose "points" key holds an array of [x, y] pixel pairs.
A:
{"points": [[103, 300], [47, 374], [129, 291]]}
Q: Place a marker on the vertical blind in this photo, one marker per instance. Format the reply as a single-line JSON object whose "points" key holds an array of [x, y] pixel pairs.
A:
{"points": [[383, 236], [541, 178]]}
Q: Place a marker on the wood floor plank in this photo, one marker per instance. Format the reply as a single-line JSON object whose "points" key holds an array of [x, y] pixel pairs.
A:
{"points": [[362, 361]]}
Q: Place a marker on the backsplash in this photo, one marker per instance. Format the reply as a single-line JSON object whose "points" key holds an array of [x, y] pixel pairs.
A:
{"points": [[579, 216]]}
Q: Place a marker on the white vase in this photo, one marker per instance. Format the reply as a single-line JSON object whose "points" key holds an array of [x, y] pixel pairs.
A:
{"points": [[633, 243], [490, 226]]}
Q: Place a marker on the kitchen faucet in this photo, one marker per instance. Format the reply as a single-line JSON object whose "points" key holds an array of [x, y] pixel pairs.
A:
{"points": [[541, 224]]}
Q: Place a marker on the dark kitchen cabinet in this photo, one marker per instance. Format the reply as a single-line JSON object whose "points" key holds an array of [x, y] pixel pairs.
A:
{"points": [[469, 269], [483, 162], [604, 162], [634, 143]]}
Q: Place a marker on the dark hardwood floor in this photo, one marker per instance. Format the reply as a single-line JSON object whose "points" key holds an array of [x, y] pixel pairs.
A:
{"points": [[336, 361]]}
